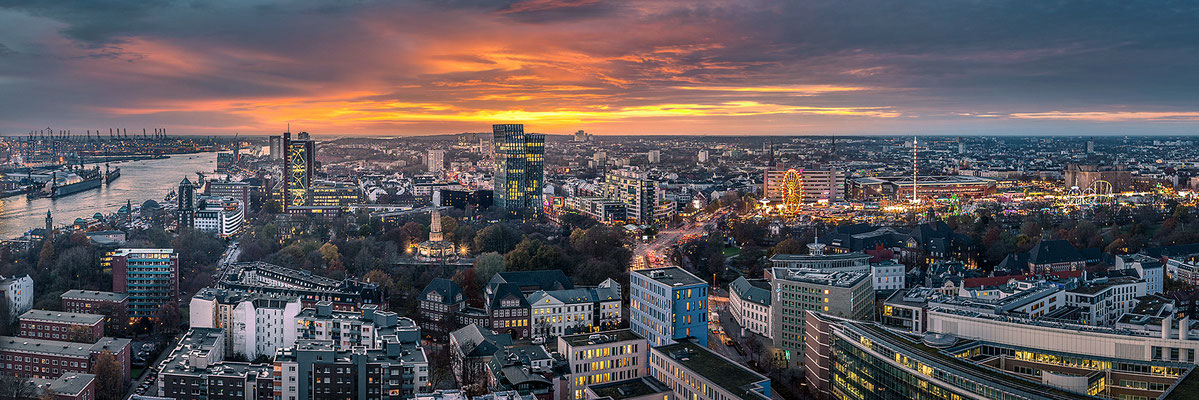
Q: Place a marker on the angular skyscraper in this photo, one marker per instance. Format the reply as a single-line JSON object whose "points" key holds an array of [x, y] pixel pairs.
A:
{"points": [[186, 204], [519, 169], [298, 169]]}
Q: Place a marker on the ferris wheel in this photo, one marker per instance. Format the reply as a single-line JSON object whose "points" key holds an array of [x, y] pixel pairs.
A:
{"points": [[792, 191]]}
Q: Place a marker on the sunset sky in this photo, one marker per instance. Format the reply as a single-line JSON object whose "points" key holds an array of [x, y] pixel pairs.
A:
{"points": [[956, 67]]}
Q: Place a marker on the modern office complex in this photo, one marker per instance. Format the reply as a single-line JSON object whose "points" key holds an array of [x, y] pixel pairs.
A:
{"points": [[186, 204], [519, 169], [861, 360], [299, 164], [331, 194], [667, 304], [223, 216], [149, 276], [239, 191], [638, 193], [797, 290]]}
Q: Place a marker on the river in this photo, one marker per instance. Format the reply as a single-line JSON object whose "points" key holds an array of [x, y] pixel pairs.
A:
{"points": [[140, 181]]}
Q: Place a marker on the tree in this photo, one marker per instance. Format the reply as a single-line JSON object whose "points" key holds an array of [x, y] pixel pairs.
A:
{"points": [[499, 238], [329, 253], [788, 246], [167, 318], [487, 265], [46, 257], [15, 387], [79, 334], [533, 254], [381, 278], [110, 379]]}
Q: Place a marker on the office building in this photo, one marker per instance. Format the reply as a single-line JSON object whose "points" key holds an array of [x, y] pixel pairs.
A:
{"points": [[61, 325], [571, 311], [861, 360], [1101, 302], [581, 136], [601, 209], [330, 194], [603, 357], [888, 275], [435, 161], [186, 204], [18, 291], [694, 372], [749, 303], [668, 304], [316, 369], [643, 388], [519, 169], [654, 156], [254, 324], [114, 306], [796, 290], [276, 147], [702, 157], [299, 170], [224, 216], [239, 191], [149, 276], [50, 359], [818, 185]]}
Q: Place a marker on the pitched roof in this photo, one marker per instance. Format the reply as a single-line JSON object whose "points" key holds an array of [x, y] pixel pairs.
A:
{"points": [[476, 341], [748, 291], [449, 290], [552, 279], [1052, 252], [499, 292]]}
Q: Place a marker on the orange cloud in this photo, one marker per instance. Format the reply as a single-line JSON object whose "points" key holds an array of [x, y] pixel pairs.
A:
{"points": [[1112, 116]]}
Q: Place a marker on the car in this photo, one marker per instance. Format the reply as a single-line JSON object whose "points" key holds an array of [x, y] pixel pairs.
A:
{"points": [[539, 340], [730, 342]]}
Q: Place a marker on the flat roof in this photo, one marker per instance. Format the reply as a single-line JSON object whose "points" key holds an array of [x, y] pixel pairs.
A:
{"points": [[730, 376], [671, 276], [629, 388], [584, 339], [94, 295], [62, 317]]}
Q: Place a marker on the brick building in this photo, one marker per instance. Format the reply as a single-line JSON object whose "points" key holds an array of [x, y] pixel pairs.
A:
{"points": [[57, 325]]}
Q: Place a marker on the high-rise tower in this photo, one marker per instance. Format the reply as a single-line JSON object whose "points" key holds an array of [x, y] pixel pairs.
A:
{"points": [[186, 202], [519, 169], [298, 170]]}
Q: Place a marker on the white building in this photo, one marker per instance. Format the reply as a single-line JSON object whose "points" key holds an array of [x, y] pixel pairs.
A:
{"points": [[223, 215], [703, 156], [19, 293], [696, 373], [749, 303], [436, 160], [888, 275], [570, 311], [255, 324], [1148, 268], [654, 156], [1103, 301], [348, 329], [1179, 269], [603, 357]]}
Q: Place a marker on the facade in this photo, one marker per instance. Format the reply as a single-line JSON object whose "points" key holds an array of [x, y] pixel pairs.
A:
{"points": [[276, 147], [1147, 268], [149, 276], [694, 372], [254, 324], [667, 304], [436, 160], [888, 275], [601, 209], [1085, 176], [508, 309], [68, 386], [603, 357], [50, 359], [223, 216], [186, 204], [1101, 302], [570, 311], [749, 303], [18, 291], [114, 306], [60, 325], [927, 187], [471, 348], [847, 294], [330, 194], [519, 169], [299, 165], [439, 305], [820, 185]]}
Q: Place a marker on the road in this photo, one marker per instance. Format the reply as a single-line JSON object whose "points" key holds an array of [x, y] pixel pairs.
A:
{"points": [[653, 254]]}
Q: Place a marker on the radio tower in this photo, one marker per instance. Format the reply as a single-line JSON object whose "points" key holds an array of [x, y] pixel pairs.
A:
{"points": [[913, 169]]}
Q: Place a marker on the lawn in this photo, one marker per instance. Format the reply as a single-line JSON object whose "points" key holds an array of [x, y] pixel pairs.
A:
{"points": [[730, 252]]}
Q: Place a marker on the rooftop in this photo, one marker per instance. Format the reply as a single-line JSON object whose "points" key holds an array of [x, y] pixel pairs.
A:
{"points": [[586, 339], [62, 317], [629, 388], [671, 276], [820, 277], [94, 295], [730, 376]]}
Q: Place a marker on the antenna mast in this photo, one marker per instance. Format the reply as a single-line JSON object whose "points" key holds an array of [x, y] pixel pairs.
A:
{"points": [[914, 169]]}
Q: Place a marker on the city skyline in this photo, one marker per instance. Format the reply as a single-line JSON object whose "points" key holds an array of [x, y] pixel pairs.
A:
{"points": [[660, 67]]}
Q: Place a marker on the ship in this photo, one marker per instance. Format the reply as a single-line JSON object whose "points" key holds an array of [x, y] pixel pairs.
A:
{"points": [[64, 183], [111, 174]]}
